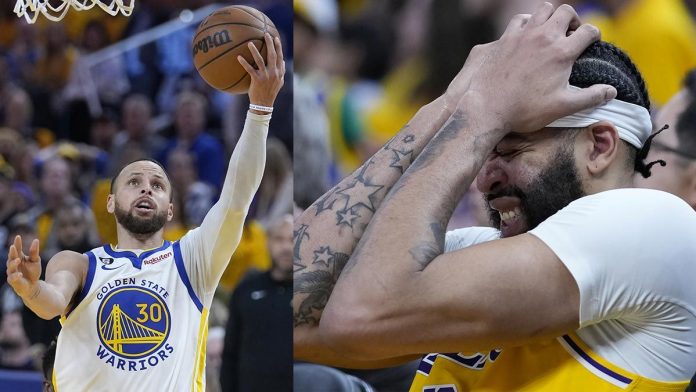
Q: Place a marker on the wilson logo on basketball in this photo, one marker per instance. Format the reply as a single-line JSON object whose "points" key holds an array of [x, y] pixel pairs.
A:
{"points": [[157, 259], [212, 41]]}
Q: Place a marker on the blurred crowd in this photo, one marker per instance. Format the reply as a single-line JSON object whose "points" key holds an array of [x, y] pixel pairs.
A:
{"points": [[75, 108], [363, 69]]}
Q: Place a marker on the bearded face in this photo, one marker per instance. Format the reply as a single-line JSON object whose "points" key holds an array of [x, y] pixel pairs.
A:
{"points": [[141, 198], [555, 187]]}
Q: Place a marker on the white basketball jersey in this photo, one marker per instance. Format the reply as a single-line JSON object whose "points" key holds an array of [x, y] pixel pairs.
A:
{"points": [[139, 326]]}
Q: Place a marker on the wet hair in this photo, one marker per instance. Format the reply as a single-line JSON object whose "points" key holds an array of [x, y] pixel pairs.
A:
{"points": [[156, 162], [604, 63]]}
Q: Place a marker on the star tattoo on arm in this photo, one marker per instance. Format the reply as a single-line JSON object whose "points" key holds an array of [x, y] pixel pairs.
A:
{"points": [[346, 217], [323, 255], [401, 160], [362, 193]]}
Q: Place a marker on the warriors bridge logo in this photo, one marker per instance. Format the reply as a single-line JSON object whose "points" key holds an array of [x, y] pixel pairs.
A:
{"points": [[133, 324]]}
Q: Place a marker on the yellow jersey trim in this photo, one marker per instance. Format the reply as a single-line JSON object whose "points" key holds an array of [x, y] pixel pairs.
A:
{"points": [[116, 249], [199, 370], [53, 380], [611, 373]]}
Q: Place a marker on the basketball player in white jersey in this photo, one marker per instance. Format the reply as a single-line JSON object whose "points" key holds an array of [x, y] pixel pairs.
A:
{"points": [[135, 314]]}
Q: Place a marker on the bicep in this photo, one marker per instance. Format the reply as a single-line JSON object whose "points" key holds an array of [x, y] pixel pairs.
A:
{"points": [[491, 295], [501, 293]]}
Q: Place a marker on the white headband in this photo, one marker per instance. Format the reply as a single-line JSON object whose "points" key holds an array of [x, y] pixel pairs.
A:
{"points": [[631, 121]]}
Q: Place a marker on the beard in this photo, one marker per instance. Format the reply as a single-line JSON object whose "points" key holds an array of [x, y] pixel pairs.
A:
{"points": [[557, 186], [138, 225]]}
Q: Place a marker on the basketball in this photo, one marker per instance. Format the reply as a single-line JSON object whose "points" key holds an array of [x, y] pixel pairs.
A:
{"points": [[223, 36]]}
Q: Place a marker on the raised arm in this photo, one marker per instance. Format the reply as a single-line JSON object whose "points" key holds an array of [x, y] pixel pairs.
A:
{"points": [[65, 275], [326, 234], [328, 231], [209, 247], [399, 294]]}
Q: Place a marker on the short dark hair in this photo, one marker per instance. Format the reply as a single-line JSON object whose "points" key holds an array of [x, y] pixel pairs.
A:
{"points": [[156, 162], [604, 63]]}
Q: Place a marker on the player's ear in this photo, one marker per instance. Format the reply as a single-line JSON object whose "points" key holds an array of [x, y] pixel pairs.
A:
{"points": [[602, 148], [111, 203], [170, 212]]}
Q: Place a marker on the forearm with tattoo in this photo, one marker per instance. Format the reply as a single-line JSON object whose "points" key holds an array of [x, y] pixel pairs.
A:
{"points": [[419, 206], [327, 232]]}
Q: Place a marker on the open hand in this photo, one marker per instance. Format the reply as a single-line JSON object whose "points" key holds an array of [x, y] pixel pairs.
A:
{"points": [[267, 80], [23, 271], [522, 78]]}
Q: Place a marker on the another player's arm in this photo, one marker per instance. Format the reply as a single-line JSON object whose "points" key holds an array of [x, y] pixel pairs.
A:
{"points": [[399, 294], [65, 274], [221, 229], [328, 231]]}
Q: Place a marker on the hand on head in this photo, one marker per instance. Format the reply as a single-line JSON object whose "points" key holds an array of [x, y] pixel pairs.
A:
{"points": [[522, 78], [23, 271], [267, 80]]}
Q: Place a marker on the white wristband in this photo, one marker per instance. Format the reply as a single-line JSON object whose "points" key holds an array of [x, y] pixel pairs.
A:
{"points": [[261, 108]]}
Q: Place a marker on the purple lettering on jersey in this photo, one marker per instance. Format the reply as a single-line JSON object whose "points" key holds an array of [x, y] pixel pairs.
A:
{"points": [[440, 388]]}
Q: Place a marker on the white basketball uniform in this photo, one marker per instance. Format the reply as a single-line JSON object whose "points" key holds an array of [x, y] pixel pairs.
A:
{"points": [[141, 319]]}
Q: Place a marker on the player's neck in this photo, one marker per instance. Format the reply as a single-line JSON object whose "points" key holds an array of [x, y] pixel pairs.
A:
{"points": [[128, 240]]}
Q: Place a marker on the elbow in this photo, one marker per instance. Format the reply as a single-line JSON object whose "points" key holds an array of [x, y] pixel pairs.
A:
{"points": [[47, 314], [354, 330]]}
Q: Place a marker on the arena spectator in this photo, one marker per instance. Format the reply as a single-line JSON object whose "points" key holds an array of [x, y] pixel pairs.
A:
{"points": [[213, 359], [107, 77], [55, 184], [189, 125], [258, 338], [23, 52], [7, 205], [676, 146], [136, 133], [72, 229], [312, 139], [196, 197], [15, 349], [274, 198], [659, 37], [103, 131]]}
